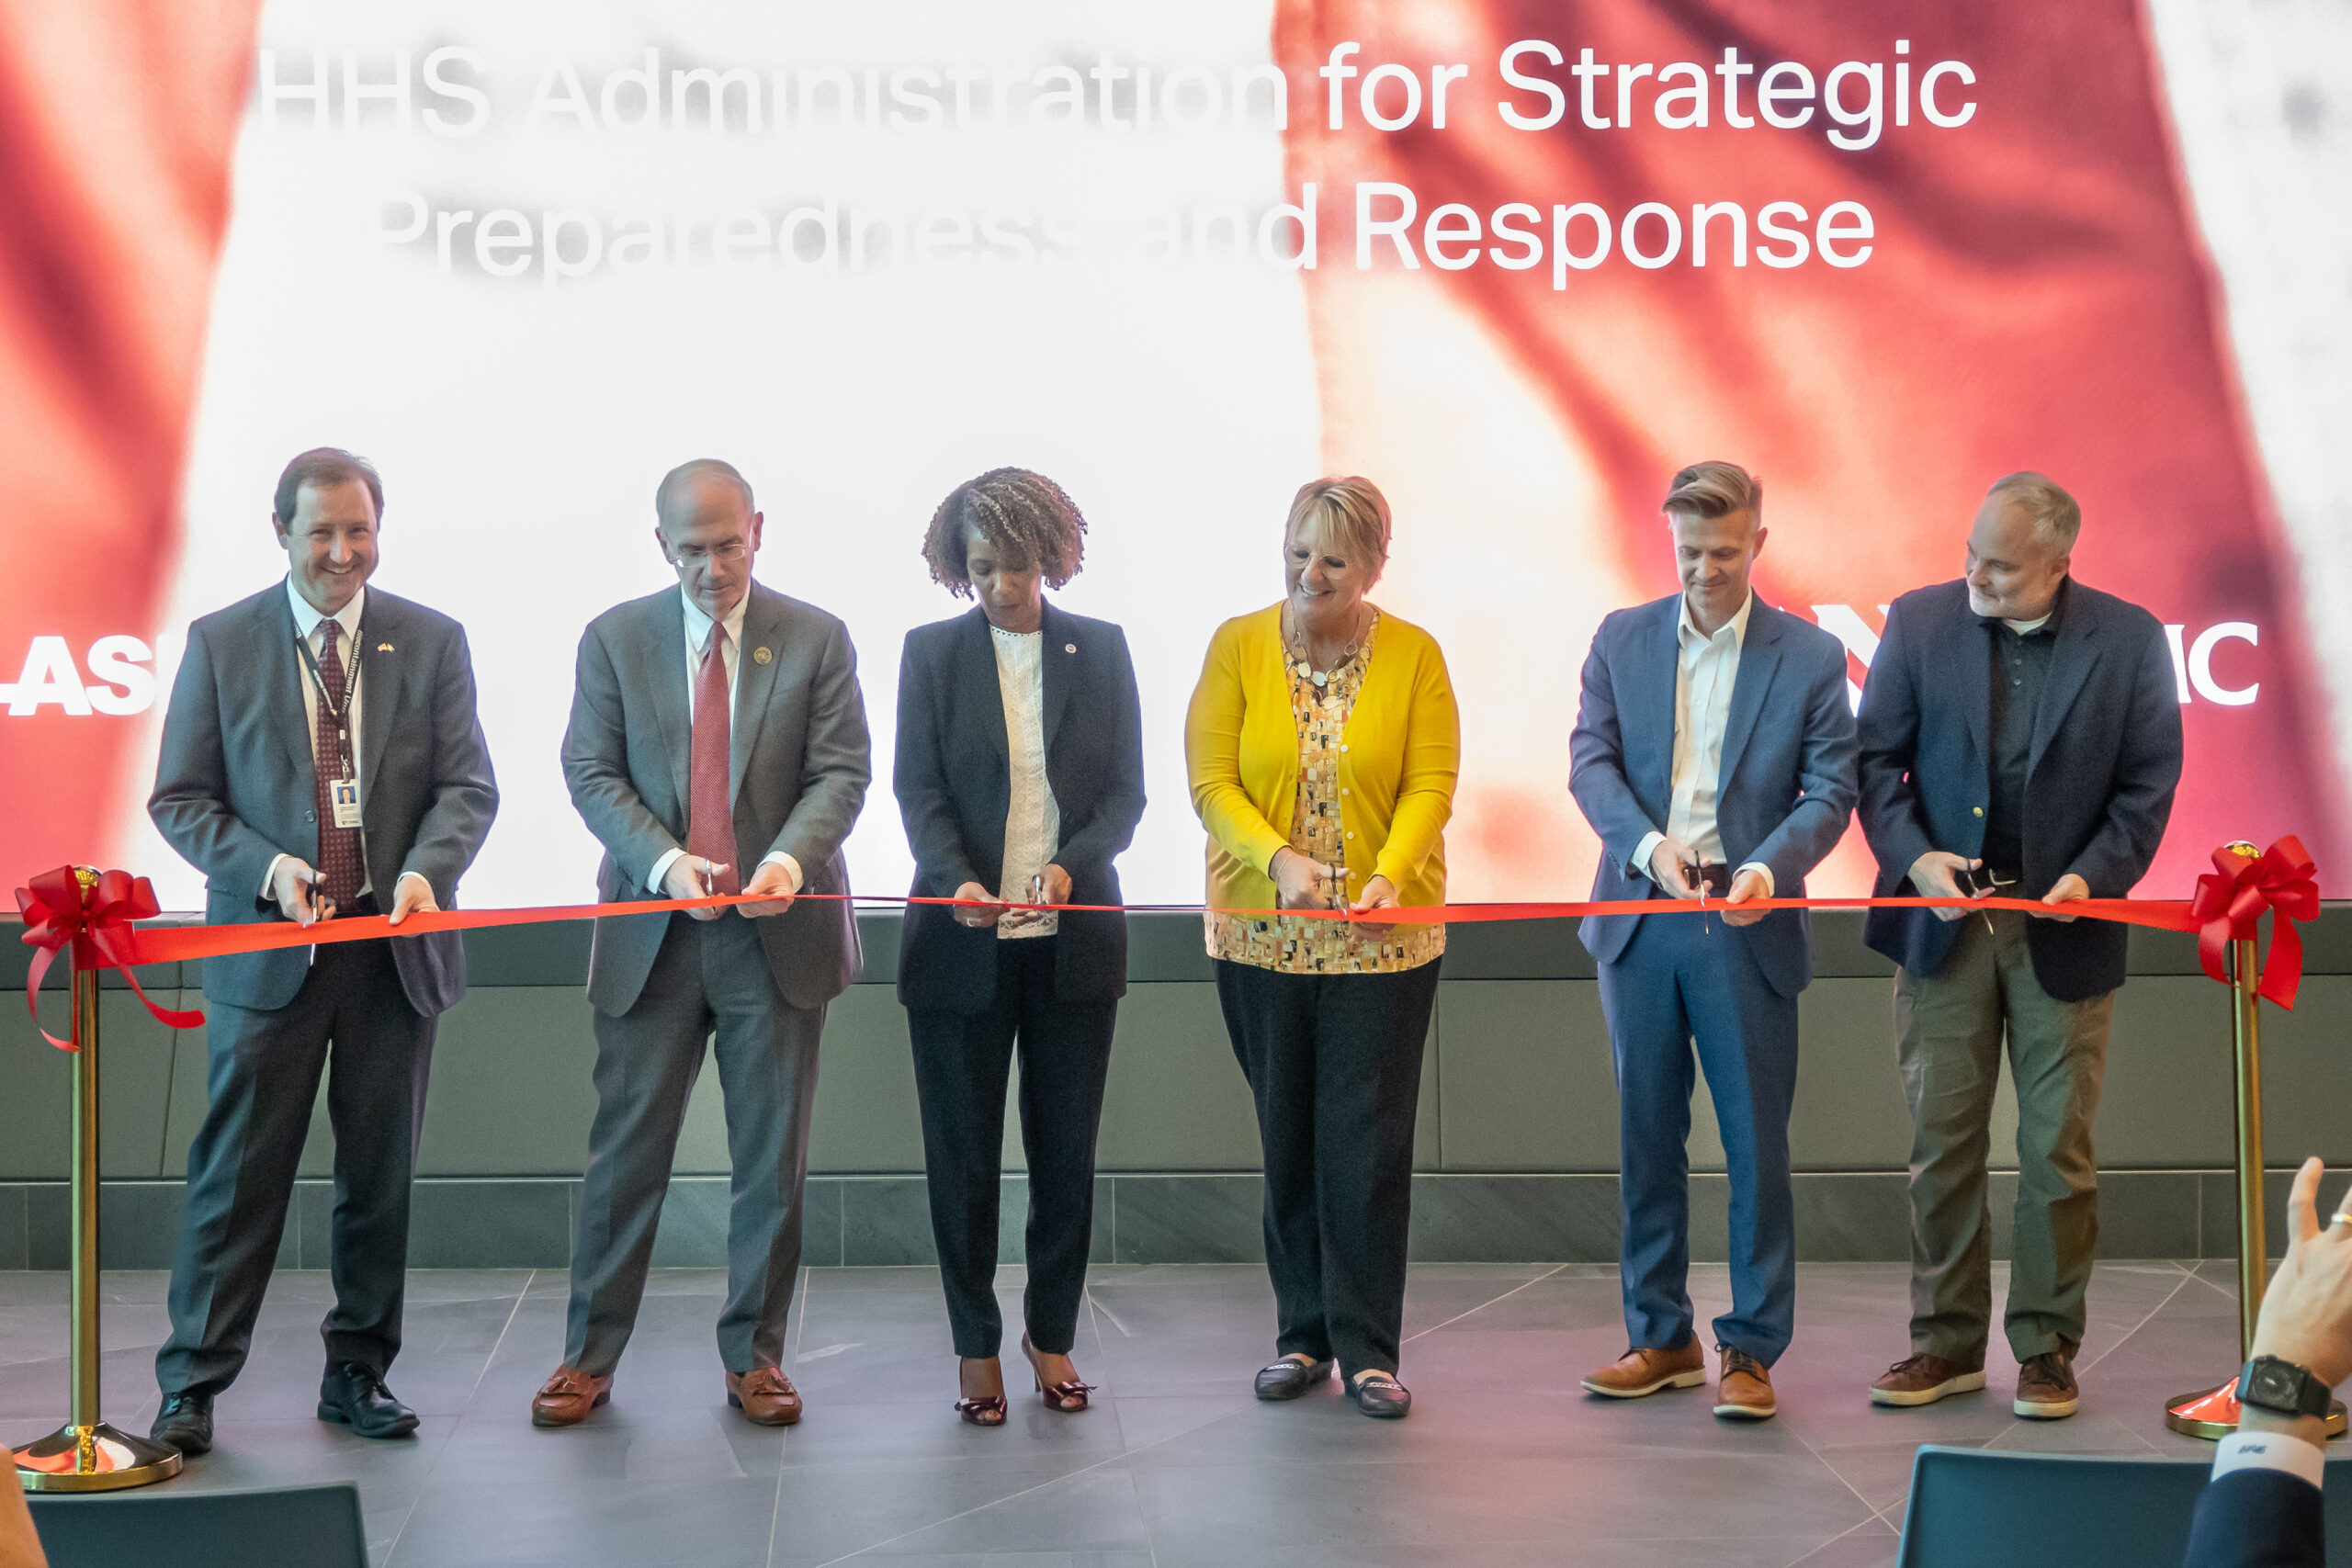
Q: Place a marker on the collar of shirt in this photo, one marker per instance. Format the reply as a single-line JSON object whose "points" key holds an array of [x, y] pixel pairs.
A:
{"points": [[1687, 632], [698, 624], [307, 615]]}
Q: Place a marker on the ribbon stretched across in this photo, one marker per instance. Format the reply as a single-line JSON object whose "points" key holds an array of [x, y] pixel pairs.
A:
{"points": [[2230, 901]]}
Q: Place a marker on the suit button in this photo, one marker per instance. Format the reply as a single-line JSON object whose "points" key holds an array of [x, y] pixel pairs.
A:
{"points": [[309, 816], [1979, 810]]}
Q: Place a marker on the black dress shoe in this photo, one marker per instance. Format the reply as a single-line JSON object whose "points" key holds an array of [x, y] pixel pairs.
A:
{"points": [[184, 1423], [1381, 1396], [1290, 1377], [353, 1396]]}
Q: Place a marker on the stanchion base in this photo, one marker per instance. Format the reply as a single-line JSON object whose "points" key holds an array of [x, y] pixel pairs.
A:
{"points": [[2214, 1412], [94, 1459]]}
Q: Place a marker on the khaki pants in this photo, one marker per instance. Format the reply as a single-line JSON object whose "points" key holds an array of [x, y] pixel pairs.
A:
{"points": [[1950, 1026]]}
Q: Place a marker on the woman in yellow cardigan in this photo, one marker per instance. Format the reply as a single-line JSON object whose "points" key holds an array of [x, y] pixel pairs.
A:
{"points": [[1322, 743]]}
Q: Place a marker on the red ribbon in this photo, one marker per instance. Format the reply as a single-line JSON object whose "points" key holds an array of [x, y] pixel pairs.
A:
{"points": [[59, 907], [2228, 904]]}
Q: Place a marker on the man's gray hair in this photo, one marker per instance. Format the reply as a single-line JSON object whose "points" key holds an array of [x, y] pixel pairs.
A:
{"points": [[2056, 517], [675, 483], [1715, 489]]}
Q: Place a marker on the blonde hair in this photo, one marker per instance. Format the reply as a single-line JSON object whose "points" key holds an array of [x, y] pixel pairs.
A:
{"points": [[2056, 517], [1715, 489], [1347, 507]]}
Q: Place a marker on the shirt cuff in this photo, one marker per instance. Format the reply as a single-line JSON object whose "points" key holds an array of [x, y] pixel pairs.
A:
{"points": [[1762, 870], [791, 866], [269, 878], [1647, 847], [662, 869], [2270, 1451]]}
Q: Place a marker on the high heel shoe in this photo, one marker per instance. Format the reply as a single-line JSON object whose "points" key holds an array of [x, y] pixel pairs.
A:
{"points": [[1068, 1396], [986, 1411]]}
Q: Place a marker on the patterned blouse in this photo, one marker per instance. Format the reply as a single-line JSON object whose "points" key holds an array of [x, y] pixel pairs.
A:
{"points": [[1289, 944]]}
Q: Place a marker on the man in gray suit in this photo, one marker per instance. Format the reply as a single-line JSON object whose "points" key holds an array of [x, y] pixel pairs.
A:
{"points": [[717, 744], [321, 756]]}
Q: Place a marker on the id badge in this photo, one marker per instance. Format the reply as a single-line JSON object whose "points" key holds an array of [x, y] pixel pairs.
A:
{"points": [[343, 795]]}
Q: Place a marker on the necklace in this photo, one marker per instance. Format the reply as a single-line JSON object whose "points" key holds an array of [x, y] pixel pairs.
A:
{"points": [[1302, 660]]}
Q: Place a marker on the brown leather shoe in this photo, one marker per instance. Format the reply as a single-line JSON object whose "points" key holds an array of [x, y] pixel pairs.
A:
{"points": [[567, 1397], [1643, 1370], [1744, 1393], [2046, 1389], [1924, 1378], [764, 1395]]}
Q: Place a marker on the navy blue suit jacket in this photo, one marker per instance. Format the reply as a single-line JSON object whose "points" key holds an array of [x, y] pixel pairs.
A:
{"points": [[953, 777], [2258, 1518], [1787, 783], [2105, 760]]}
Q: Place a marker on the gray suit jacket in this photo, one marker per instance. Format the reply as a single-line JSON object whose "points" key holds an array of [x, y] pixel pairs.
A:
{"points": [[236, 786], [800, 766]]}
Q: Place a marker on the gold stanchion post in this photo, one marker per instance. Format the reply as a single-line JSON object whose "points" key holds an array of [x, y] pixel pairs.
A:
{"points": [[85, 1454], [2212, 1413]]}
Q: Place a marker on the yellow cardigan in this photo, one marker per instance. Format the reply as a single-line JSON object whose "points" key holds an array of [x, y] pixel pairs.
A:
{"points": [[1398, 757]]}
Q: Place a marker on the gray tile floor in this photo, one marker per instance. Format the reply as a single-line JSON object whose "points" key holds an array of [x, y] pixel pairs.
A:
{"points": [[1503, 1462]]}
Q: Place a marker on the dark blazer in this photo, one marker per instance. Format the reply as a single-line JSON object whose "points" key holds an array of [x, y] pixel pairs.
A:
{"points": [[953, 781], [236, 786], [2105, 757], [2258, 1518], [799, 763], [1786, 786]]}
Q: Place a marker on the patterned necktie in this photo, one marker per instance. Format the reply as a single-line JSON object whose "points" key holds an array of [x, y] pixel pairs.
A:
{"points": [[341, 869], [710, 817]]}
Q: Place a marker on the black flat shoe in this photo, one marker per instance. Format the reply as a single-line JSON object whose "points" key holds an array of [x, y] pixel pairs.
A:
{"points": [[1381, 1396], [353, 1396], [184, 1423], [1290, 1377]]}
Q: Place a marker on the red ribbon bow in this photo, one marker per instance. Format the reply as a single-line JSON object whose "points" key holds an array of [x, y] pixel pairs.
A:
{"points": [[2230, 901], [94, 916]]}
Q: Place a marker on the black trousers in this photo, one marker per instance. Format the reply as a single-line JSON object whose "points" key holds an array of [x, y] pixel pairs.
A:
{"points": [[263, 1077], [962, 1062], [1334, 1062]]}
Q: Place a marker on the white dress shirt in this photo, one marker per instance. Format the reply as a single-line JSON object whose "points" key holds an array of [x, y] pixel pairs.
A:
{"points": [[1032, 822], [2270, 1451], [697, 629], [1705, 669], [308, 619]]}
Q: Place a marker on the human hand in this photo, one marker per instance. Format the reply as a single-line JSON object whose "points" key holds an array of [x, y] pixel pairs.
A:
{"points": [[1299, 883], [1931, 873], [1378, 894], [1673, 866], [772, 879], [1050, 886], [2069, 888], [1748, 883], [691, 876], [2307, 1313], [413, 895], [978, 919], [296, 888]]}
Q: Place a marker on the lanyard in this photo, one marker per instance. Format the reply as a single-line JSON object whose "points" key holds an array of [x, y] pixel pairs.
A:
{"points": [[339, 711]]}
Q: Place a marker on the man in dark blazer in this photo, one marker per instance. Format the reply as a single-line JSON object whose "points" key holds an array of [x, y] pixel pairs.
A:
{"points": [[737, 765], [321, 756], [1714, 733], [2022, 731]]}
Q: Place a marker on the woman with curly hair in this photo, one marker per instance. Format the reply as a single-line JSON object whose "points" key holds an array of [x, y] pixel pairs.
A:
{"points": [[1020, 776]]}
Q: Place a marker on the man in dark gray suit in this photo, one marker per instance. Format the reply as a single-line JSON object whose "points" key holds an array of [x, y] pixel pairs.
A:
{"points": [[321, 748], [717, 744]]}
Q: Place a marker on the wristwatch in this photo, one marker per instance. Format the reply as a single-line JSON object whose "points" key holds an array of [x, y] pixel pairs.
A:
{"points": [[2269, 1384]]}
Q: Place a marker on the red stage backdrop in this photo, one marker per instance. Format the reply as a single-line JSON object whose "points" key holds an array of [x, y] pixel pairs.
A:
{"points": [[1516, 262]]}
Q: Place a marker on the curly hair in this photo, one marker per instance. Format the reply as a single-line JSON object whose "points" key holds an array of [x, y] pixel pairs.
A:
{"points": [[1024, 514]]}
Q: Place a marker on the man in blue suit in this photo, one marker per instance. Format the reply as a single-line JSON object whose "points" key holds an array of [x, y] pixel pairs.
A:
{"points": [[1714, 733], [2024, 727]]}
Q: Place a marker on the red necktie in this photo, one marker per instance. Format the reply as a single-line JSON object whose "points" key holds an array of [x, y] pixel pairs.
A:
{"points": [[341, 869], [710, 817]]}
